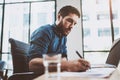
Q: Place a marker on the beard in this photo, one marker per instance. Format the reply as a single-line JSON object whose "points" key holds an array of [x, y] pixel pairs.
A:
{"points": [[63, 30]]}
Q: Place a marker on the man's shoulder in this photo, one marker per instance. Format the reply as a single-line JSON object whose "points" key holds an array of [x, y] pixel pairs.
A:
{"points": [[46, 27], [43, 28]]}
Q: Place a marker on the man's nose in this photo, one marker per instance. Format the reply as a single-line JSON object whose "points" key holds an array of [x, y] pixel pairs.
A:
{"points": [[71, 26]]}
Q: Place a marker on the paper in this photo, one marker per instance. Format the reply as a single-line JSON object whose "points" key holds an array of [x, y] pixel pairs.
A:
{"points": [[102, 66], [94, 72]]}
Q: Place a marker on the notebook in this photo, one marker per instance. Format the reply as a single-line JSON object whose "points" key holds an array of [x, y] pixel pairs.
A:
{"points": [[97, 70]]}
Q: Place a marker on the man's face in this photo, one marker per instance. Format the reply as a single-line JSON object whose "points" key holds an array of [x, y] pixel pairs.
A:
{"points": [[67, 23]]}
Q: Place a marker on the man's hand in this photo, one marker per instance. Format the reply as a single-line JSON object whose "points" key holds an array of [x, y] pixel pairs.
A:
{"points": [[77, 65]]}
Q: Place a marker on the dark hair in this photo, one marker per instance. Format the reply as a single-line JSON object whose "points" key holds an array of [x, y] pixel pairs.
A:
{"points": [[66, 10]]}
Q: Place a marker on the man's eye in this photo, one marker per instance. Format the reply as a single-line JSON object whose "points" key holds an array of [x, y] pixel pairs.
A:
{"points": [[69, 20]]}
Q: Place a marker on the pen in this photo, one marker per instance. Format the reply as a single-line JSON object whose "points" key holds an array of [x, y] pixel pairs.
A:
{"points": [[82, 57], [79, 54]]}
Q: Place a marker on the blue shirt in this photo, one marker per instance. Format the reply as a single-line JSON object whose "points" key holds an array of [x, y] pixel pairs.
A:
{"points": [[47, 39]]}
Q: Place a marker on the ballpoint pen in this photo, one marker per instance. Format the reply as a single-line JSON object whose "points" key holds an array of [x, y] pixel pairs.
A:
{"points": [[79, 54], [82, 58]]}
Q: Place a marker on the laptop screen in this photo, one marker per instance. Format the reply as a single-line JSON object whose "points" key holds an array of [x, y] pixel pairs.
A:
{"points": [[118, 66]]}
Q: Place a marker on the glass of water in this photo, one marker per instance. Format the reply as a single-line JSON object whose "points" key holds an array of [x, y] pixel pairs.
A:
{"points": [[52, 64]]}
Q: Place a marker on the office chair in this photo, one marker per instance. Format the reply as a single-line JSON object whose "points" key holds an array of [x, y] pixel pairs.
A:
{"points": [[114, 54], [20, 59]]}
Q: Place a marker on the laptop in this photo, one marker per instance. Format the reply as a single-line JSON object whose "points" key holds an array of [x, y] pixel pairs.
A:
{"points": [[118, 66]]}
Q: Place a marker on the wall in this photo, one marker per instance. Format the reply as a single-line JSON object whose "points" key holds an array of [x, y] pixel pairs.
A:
{"points": [[74, 41]]}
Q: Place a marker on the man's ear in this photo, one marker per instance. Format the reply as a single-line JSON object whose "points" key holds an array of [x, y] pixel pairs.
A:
{"points": [[59, 17]]}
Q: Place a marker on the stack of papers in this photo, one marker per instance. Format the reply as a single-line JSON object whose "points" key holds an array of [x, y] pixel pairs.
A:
{"points": [[94, 72]]}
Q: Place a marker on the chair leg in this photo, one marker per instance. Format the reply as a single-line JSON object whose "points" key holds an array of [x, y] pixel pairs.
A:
{"points": [[5, 77]]}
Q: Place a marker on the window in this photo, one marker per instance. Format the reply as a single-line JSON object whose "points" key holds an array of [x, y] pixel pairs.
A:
{"points": [[1, 1], [96, 30], [42, 13], [116, 31], [14, 24], [10, 1], [102, 16], [86, 32], [116, 15], [104, 32], [85, 17], [18, 21], [21, 18], [0, 27]]}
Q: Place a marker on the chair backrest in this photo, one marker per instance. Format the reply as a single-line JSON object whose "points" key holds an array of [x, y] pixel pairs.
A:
{"points": [[114, 54], [19, 52]]}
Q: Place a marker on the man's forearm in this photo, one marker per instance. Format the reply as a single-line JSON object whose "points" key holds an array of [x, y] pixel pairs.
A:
{"points": [[64, 64], [36, 65]]}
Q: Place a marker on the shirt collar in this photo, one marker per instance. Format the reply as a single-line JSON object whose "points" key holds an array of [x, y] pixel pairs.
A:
{"points": [[57, 30]]}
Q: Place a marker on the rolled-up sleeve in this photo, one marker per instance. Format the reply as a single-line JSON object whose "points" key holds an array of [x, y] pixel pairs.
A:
{"points": [[39, 44]]}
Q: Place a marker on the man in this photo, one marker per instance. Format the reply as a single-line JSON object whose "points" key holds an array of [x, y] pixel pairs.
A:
{"points": [[52, 39]]}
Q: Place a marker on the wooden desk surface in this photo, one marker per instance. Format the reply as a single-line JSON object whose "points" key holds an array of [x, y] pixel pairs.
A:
{"points": [[115, 76]]}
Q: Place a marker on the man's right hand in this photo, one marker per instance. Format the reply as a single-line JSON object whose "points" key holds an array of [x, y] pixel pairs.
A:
{"points": [[76, 65]]}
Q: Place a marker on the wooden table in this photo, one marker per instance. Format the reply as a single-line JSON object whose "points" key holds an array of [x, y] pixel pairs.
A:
{"points": [[115, 76]]}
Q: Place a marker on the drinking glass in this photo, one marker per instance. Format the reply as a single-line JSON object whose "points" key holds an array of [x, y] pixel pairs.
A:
{"points": [[52, 64]]}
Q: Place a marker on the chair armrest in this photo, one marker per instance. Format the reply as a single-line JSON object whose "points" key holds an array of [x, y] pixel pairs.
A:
{"points": [[22, 76], [24, 73]]}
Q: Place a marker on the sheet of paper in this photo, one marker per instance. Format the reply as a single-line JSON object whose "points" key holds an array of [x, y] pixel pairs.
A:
{"points": [[94, 72], [102, 66]]}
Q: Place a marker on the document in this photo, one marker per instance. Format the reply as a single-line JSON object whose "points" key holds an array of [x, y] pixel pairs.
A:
{"points": [[93, 72], [102, 66]]}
